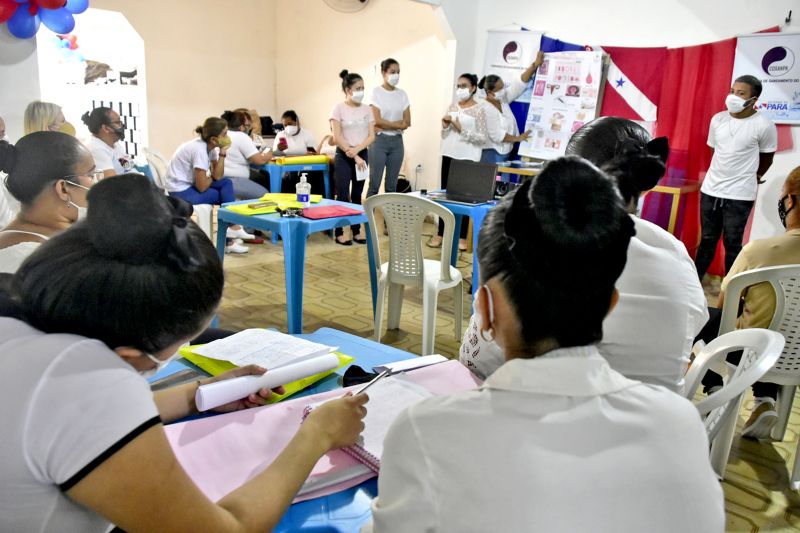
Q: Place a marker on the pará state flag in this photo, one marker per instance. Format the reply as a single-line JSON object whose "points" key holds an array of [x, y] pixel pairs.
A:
{"points": [[633, 83]]}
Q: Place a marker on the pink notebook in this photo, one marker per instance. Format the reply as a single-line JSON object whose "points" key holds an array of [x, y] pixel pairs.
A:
{"points": [[223, 452]]}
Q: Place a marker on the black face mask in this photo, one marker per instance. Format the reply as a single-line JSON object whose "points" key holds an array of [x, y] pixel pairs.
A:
{"points": [[119, 132], [782, 211]]}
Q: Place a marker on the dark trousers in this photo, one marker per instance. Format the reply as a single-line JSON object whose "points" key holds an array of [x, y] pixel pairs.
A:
{"points": [[348, 188], [445, 173], [725, 217], [712, 379]]}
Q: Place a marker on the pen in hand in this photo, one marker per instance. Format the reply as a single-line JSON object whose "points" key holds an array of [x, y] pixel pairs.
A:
{"points": [[374, 380]]}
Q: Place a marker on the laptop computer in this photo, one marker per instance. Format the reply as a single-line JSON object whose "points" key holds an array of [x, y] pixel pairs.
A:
{"points": [[470, 183]]}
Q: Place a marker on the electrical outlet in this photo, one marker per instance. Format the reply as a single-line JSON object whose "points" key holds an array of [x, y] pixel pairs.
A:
{"points": [[419, 168]]}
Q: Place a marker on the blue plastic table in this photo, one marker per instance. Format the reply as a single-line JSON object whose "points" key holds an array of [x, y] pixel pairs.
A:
{"points": [[294, 232], [277, 171], [348, 510]]}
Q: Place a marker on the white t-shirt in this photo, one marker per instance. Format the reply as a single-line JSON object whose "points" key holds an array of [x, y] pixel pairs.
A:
{"points": [[354, 121], [241, 148], [296, 144], [392, 105], [659, 280], [67, 404], [110, 158], [500, 123], [556, 443], [737, 143], [189, 156]]}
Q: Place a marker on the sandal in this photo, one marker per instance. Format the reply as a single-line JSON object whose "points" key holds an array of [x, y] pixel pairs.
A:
{"points": [[432, 244], [359, 241]]}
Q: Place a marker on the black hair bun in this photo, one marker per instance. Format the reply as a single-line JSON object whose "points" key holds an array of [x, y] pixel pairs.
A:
{"points": [[129, 219], [343, 74], [85, 118], [8, 157]]}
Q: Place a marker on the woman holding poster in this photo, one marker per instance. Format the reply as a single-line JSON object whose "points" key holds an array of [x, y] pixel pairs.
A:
{"points": [[501, 124]]}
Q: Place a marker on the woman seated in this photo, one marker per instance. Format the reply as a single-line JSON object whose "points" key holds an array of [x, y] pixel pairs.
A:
{"points": [[196, 173], [555, 439], [49, 173], [659, 277], [44, 116], [90, 312], [241, 154], [294, 140]]}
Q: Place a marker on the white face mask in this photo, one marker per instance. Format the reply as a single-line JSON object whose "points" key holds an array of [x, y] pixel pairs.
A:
{"points": [[150, 372], [81, 210], [291, 130], [358, 96], [393, 79], [735, 104], [498, 95], [462, 94]]}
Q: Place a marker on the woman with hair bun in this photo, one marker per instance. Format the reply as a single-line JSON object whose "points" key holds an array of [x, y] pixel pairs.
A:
{"points": [[463, 136], [659, 279], [241, 154], [91, 312], [353, 126], [555, 439], [196, 174], [49, 173]]}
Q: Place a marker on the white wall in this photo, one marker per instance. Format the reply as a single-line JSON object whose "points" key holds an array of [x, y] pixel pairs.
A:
{"points": [[634, 23], [19, 80]]}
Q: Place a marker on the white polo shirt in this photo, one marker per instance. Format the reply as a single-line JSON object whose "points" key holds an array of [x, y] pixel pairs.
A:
{"points": [[110, 158], [556, 443], [737, 143], [67, 404], [189, 156], [242, 147]]}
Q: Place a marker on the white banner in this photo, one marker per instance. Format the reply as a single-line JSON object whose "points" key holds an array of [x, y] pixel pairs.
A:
{"points": [[509, 53], [566, 95], [773, 58]]}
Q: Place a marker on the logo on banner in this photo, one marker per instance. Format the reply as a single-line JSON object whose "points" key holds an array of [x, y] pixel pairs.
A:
{"points": [[777, 61], [512, 52]]}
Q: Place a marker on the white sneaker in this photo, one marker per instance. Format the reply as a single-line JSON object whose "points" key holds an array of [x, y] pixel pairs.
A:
{"points": [[239, 234], [236, 248]]}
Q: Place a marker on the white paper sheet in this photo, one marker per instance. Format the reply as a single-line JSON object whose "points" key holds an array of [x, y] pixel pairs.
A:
{"points": [[262, 347]]}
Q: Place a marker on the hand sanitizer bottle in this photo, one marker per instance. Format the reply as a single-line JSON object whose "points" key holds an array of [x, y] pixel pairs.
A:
{"points": [[303, 189]]}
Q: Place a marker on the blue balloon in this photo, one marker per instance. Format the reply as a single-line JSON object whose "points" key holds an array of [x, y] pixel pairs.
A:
{"points": [[77, 6], [22, 24], [20, 1], [58, 20]]}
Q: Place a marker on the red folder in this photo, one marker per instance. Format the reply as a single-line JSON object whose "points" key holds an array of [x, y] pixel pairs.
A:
{"points": [[329, 211]]}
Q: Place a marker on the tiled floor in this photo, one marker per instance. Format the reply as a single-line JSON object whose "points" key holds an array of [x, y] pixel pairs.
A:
{"points": [[337, 294]]}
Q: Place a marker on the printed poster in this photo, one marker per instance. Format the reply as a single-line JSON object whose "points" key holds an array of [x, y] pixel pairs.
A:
{"points": [[509, 53], [566, 95], [773, 58]]}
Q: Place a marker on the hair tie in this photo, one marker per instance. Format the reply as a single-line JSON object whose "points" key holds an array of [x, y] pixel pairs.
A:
{"points": [[182, 250]]}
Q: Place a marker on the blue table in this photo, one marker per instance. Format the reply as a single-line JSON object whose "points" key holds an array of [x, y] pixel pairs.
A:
{"points": [[277, 171], [294, 232], [346, 511]]}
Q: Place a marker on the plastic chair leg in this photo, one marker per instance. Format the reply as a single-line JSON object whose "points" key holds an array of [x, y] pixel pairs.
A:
{"points": [[794, 481], [721, 447], [458, 310], [429, 299], [396, 292], [784, 405], [379, 310]]}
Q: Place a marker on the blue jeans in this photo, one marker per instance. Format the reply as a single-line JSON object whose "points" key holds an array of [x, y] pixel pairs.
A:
{"points": [[386, 152], [247, 189], [220, 192], [490, 155]]}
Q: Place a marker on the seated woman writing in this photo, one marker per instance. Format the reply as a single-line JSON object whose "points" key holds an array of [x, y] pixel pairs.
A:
{"points": [[84, 318], [555, 439]]}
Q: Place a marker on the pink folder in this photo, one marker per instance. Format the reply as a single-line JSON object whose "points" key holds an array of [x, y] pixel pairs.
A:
{"points": [[223, 452]]}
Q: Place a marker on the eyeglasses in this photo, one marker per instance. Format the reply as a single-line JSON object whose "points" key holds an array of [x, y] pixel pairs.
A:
{"points": [[95, 176]]}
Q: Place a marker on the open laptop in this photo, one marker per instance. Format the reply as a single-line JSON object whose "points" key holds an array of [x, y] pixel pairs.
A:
{"points": [[470, 183]]}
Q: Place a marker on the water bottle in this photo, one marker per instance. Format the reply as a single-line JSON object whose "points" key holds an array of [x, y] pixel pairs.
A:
{"points": [[303, 189]]}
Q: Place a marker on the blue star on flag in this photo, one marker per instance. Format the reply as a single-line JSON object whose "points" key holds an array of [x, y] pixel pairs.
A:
{"points": [[620, 82]]}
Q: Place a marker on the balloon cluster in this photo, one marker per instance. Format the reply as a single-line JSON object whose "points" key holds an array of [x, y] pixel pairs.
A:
{"points": [[23, 17]]}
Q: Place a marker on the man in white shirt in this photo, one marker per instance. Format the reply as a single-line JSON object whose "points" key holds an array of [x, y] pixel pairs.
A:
{"points": [[106, 145], [743, 143]]}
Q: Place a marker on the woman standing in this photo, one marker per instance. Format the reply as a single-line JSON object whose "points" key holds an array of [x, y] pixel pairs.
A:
{"points": [[195, 173], [463, 136], [392, 117], [501, 124], [353, 126]]}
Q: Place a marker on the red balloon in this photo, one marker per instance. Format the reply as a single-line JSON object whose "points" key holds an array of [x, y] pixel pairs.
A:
{"points": [[73, 46], [7, 9], [51, 4]]}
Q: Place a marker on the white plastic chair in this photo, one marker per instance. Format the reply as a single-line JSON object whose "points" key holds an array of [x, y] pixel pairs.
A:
{"points": [[404, 215], [761, 348], [204, 213]]}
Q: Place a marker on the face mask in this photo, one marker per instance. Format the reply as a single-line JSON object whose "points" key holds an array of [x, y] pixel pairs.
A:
{"points": [[462, 94], [119, 132], [223, 142], [499, 94], [782, 211], [67, 128], [81, 210], [150, 372], [358, 96], [291, 130], [736, 104], [393, 79]]}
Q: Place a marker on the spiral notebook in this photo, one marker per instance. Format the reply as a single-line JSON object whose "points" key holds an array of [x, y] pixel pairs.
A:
{"points": [[387, 399]]}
